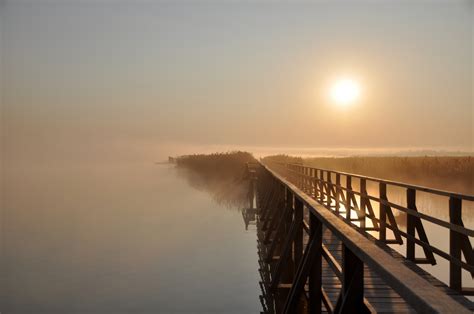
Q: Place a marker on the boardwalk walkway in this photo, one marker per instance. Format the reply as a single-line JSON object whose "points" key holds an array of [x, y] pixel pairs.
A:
{"points": [[312, 260]]}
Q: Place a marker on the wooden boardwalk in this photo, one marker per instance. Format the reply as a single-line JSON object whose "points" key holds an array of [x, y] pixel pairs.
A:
{"points": [[379, 295], [311, 260]]}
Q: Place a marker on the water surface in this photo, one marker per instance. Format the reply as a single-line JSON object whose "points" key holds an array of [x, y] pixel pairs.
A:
{"points": [[122, 238]]}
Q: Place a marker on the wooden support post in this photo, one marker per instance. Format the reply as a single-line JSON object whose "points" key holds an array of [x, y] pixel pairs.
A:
{"points": [[298, 242], [321, 186], [310, 266], [315, 273], [308, 180], [455, 217], [338, 192], [383, 212], [271, 210], [351, 298], [285, 256], [348, 197], [414, 225], [411, 204], [363, 203], [316, 184], [289, 203], [353, 274], [301, 177], [287, 275], [328, 190]]}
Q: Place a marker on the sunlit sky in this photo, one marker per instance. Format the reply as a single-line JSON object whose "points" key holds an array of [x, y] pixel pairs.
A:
{"points": [[143, 79]]}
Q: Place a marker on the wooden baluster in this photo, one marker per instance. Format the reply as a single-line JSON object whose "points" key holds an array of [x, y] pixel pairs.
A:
{"points": [[363, 202], [328, 190], [316, 184], [306, 181], [383, 211], [298, 243], [411, 204], [321, 185], [455, 217], [351, 298], [338, 192], [287, 275], [348, 197], [315, 274], [301, 177]]}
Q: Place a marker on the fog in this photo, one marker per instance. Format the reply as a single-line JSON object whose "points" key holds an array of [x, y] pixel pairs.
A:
{"points": [[93, 93], [95, 81]]}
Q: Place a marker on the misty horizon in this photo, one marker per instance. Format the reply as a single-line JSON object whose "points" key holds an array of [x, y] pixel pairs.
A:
{"points": [[194, 156], [139, 81]]}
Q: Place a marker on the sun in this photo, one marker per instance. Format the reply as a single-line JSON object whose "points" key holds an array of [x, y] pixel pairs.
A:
{"points": [[345, 91]]}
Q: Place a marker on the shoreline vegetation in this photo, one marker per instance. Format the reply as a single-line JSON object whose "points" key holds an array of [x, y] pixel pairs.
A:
{"points": [[451, 173], [220, 174]]}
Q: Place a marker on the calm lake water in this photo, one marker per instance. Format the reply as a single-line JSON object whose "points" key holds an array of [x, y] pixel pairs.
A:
{"points": [[124, 238]]}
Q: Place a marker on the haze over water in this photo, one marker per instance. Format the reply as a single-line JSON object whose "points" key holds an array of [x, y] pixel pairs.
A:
{"points": [[92, 93]]}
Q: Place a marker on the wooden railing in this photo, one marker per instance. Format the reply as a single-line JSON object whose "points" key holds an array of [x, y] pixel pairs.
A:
{"points": [[283, 207], [335, 190]]}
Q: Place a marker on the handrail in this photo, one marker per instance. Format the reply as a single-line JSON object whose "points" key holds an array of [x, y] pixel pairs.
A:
{"points": [[414, 289], [467, 197], [463, 230], [318, 183]]}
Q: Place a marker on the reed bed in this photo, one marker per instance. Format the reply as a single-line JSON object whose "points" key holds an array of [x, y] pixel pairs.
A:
{"points": [[446, 173], [223, 175]]}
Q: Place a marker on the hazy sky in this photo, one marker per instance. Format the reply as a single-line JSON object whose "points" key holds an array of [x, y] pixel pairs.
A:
{"points": [[136, 78]]}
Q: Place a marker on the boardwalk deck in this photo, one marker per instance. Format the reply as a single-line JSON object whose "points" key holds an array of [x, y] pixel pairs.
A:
{"points": [[382, 291], [382, 298], [379, 295]]}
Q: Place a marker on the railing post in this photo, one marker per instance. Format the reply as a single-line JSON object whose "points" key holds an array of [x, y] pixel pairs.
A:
{"points": [[351, 298], [306, 180], [353, 274], [348, 197], [298, 243], [301, 177], [287, 273], [411, 204], [328, 190], [315, 274], [383, 211], [303, 186], [363, 202], [316, 182], [455, 217], [321, 186], [338, 192]]}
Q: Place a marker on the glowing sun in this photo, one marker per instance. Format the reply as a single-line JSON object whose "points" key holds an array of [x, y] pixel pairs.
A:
{"points": [[345, 91]]}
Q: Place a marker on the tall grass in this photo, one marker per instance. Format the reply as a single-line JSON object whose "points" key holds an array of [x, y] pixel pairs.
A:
{"points": [[446, 173], [220, 174]]}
